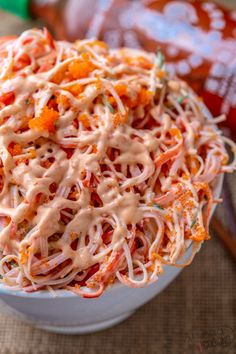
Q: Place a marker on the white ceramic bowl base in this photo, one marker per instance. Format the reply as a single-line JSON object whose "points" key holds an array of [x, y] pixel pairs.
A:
{"points": [[71, 314]]}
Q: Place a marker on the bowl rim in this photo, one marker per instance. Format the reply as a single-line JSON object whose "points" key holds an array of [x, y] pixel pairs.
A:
{"points": [[62, 293]]}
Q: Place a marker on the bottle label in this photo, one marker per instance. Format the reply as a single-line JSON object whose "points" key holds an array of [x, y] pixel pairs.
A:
{"points": [[197, 38]]}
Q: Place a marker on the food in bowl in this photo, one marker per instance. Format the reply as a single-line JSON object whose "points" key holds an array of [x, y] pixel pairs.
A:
{"points": [[107, 166]]}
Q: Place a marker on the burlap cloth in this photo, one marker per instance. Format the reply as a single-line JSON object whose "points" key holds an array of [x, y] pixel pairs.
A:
{"points": [[195, 314]]}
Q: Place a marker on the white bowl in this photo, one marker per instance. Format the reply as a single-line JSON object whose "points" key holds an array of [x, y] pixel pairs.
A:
{"points": [[70, 314]]}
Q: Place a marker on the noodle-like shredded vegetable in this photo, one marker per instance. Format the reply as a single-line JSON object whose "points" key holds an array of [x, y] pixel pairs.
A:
{"points": [[107, 166]]}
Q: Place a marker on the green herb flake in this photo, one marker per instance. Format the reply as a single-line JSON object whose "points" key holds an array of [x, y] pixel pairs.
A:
{"points": [[158, 206], [181, 99], [108, 105], [193, 223], [159, 59], [27, 101], [12, 263]]}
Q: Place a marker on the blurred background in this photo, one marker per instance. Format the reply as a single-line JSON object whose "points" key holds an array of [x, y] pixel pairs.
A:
{"points": [[197, 312], [11, 24]]}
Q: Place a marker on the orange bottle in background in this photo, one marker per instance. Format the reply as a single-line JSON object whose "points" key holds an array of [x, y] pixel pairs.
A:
{"points": [[198, 39]]}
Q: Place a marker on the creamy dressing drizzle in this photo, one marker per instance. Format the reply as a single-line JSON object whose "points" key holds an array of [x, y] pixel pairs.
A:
{"points": [[138, 172]]}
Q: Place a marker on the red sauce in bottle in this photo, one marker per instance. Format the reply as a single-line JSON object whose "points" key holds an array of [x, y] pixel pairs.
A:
{"points": [[198, 39]]}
